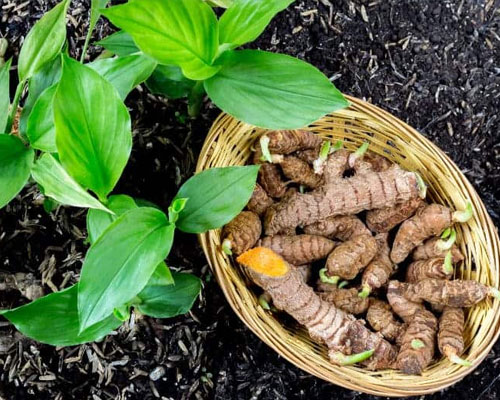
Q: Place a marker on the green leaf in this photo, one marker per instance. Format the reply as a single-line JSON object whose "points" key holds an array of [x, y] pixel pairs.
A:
{"points": [[162, 276], [49, 74], [183, 33], [219, 3], [169, 81], [98, 221], [15, 165], [215, 196], [272, 91], [44, 42], [245, 20], [53, 319], [165, 301], [57, 184], [4, 95], [93, 131], [119, 264], [95, 7], [125, 73], [41, 130], [119, 43]]}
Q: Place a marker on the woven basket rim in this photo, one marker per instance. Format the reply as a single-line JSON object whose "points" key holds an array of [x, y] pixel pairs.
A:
{"points": [[237, 296]]}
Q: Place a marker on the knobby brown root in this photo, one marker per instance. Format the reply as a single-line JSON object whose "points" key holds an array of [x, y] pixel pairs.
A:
{"points": [[342, 227], [350, 257], [404, 308], [417, 344], [299, 249], [432, 249], [286, 142], [451, 334], [260, 201], [428, 221], [300, 172], [381, 319], [345, 299], [340, 331], [456, 293], [380, 269], [384, 219], [351, 196], [434, 268], [335, 166], [308, 155], [271, 181], [242, 233]]}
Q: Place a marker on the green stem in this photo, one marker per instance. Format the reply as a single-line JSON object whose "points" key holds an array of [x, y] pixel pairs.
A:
{"points": [[447, 265], [323, 155], [446, 233], [343, 284], [337, 146], [333, 280], [226, 247], [342, 359], [195, 99], [263, 302], [494, 293], [365, 292], [264, 145], [447, 244], [15, 105], [422, 187], [460, 361], [86, 45], [465, 215], [417, 344], [362, 149]]}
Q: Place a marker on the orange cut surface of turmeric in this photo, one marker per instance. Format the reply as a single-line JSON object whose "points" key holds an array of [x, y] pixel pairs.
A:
{"points": [[264, 261]]}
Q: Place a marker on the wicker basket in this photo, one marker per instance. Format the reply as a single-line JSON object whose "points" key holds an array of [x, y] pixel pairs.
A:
{"points": [[229, 143]]}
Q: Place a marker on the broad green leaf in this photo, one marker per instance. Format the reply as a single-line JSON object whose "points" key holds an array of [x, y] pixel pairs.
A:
{"points": [[161, 276], [57, 184], [48, 75], [119, 43], [215, 197], [183, 33], [125, 73], [272, 91], [245, 20], [15, 165], [119, 264], [219, 3], [93, 131], [41, 130], [44, 42], [53, 319], [165, 301], [98, 221], [95, 7], [4, 95], [169, 81]]}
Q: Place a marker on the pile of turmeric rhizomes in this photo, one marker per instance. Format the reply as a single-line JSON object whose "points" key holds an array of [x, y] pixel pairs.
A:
{"points": [[354, 218]]}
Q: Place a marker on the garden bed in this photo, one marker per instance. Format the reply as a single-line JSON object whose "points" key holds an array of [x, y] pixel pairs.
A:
{"points": [[432, 65]]}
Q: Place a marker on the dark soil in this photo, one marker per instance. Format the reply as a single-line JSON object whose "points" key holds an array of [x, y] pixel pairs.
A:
{"points": [[434, 64]]}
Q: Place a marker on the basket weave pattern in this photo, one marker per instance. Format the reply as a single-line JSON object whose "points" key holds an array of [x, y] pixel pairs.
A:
{"points": [[229, 142]]}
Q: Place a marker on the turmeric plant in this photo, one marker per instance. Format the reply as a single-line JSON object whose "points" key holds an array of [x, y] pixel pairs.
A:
{"points": [[75, 139], [451, 335], [456, 293], [381, 319], [248, 84], [347, 339], [438, 247], [352, 197], [384, 219], [433, 268], [380, 269], [418, 343], [429, 221]]}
